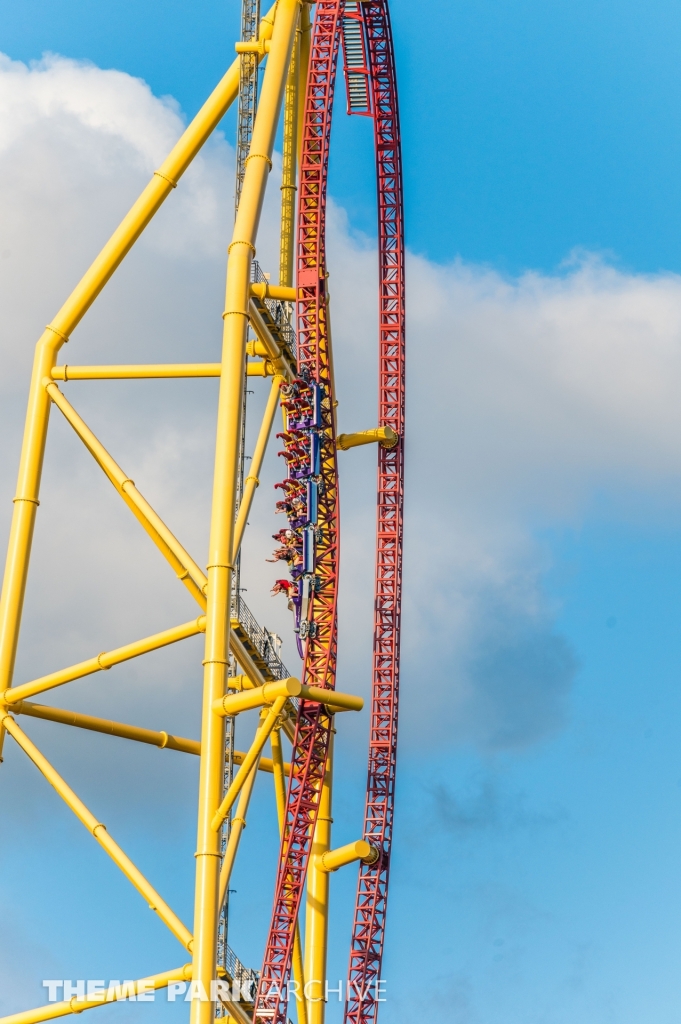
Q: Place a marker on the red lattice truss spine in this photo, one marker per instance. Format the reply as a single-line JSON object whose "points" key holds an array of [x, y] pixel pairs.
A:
{"points": [[311, 740], [366, 951], [312, 732]]}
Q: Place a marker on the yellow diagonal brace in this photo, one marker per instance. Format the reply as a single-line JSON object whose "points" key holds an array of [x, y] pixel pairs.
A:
{"points": [[105, 660], [252, 480], [160, 186], [193, 578], [100, 833], [238, 822], [75, 1005], [271, 347], [155, 738], [54, 336], [266, 727]]}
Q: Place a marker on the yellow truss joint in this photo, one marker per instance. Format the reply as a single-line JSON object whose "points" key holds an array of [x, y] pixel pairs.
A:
{"points": [[247, 700], [265, 290], [267, 723], [385, 436], [261, 47]]}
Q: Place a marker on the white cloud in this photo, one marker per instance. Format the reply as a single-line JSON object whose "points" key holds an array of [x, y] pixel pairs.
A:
{"points": [[524, 396]]}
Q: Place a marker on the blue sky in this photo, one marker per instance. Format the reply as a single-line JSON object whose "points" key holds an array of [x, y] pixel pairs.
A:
{"points": [[538, 833], [528, 129]]}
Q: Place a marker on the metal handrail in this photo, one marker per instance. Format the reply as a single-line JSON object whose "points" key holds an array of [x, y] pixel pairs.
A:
{"points": [[262, 640], [278, 310]]}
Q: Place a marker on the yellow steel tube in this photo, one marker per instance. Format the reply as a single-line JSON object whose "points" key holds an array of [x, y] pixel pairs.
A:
{"points": [[303, 65], [264, 730], [253, 479], [265, 764], [332, 860], [165, 179], [127, 732], [98, 830], [135, 371], [153, 737], [279, 777], [317, 903], [152, 523], [58, 332], [238, 822], [111, 995], [385, 436], [246, 700], [221, 542], [280, 796], [143, 371], [288, 168], [237, 825], [271, 345], [105, 660], [332, 698], [265, 290]]}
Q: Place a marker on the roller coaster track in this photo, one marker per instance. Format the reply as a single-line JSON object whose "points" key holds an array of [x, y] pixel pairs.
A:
{"points": [[366, 32], [366, 953]]}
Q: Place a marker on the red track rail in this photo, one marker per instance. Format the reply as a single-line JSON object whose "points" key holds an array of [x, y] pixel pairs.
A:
{"points": [[366, 951], [312, 732], [311, 741]]}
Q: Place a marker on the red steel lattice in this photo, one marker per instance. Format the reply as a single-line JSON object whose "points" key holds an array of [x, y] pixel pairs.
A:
{"points": [[311, 740], [312, 732], [366, 951]]}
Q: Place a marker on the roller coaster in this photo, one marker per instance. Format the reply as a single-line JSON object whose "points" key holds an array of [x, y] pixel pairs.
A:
{"points": [[285, 71]]}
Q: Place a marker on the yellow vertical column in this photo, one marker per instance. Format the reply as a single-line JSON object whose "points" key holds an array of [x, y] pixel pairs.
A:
{"points": [[280, 794], [303, 63], [317, 909], [220, 562], [26, 502], [288, 169]]}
